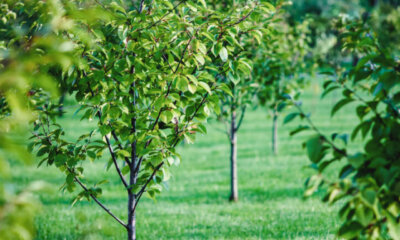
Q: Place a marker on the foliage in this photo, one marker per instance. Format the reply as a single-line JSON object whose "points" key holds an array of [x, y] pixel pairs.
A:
{"points": [[281, 66], [149, 82], [233, 103], [369, 180], [241, 84], [280, 63], [29, 48]]}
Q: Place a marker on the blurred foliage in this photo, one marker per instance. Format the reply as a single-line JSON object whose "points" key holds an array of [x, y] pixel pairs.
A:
{"points": [[369, 182], [280, 63], [31, 51]]}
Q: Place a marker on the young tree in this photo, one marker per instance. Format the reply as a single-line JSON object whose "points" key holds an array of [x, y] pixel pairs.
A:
{"points": [[233, 109], [149, 83], [279, 68], [238, 78], [369, 180]]}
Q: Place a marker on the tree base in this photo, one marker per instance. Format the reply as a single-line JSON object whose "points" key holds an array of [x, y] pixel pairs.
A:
{"points": [[233, 199]]}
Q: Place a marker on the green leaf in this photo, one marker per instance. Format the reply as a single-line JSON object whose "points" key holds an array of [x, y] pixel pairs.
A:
{"points": [[290, 117], [91, 154], [223, 54], [125, 170], [205, 87], [393, 226], [124, 153], [329, 90], [105, 129], [299, 129], [341, 104], [356, 160], [226, 89], [314, 148], [189, 138], [192, 88], [364, 215], [350, 230], [199, 59], [269, 6], [182, 83], [203, 2], [193, 79]]}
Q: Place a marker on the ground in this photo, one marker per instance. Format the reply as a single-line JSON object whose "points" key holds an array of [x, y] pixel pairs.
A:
{"points": [[195, 204]]}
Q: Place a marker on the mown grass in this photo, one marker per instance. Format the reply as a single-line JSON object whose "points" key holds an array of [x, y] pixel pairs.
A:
{"points": [[195, 205]]}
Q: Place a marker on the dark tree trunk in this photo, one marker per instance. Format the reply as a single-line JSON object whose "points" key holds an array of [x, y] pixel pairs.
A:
{"points": [[233, 138], [275, 132], [131, 225]]}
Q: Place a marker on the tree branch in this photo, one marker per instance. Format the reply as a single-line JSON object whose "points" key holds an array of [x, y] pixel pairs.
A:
{"points": [[141, 6], [115, 137], [241, 118], [166, 14], [142, 190], [243, 18], [378, 116], [175, 142], [114, 158], [90, 194], [184, 50], [343, 153], [96, 200]]}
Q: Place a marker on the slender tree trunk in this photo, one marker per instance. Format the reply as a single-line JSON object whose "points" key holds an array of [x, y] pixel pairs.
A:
{"points": [[131, 225], [131, 218], [275, 132], [234, 184]]}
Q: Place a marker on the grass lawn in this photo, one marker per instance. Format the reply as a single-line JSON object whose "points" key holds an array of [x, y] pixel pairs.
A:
{"points": [[195, 204]]}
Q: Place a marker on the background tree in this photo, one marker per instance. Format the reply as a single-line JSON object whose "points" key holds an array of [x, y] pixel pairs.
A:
{"points": [[369, 180], [149, 83], [280, 68], [238, 78], [232, 112]]}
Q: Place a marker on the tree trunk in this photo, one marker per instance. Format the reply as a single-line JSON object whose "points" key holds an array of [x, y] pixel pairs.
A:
{"points": [[234, 184], [131, 225], [275, 132]]}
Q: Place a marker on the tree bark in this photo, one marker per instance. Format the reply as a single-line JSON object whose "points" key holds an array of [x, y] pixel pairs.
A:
{"points": [[131, 225], [275, 132], [233, 138]]}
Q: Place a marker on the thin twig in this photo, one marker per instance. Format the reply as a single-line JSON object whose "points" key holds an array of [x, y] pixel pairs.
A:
{"points": [[96, 200], [166, 14], [343, 153], [114, 158], [141, 6], [244, 17], [241, 118]]}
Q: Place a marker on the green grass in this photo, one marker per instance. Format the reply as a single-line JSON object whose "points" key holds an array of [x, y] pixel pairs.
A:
{"points": [[195, 205]]}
